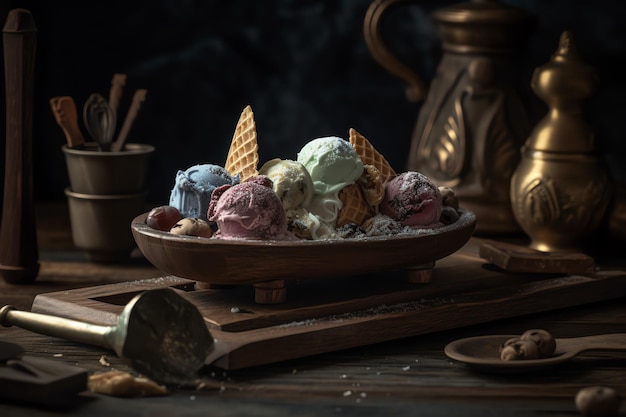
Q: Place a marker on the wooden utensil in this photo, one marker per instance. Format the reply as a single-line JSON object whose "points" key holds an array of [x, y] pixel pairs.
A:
{"points": [[115, 94], [483, 352], [100, 121], [138, 99], [19, 252], [162, 334], [64, 111]]}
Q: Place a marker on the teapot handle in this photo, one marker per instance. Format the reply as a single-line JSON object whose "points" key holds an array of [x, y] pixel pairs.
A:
{"points": [[416, 90]]}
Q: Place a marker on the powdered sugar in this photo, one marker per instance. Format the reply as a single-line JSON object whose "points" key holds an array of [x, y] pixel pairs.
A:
{"points": [[399, 308]]}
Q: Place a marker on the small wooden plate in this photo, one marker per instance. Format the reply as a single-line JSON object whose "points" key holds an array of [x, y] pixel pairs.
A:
{"points": [[233, 262]]}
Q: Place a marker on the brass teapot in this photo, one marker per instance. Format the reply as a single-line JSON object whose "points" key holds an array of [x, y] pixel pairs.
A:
{"points": [[472, 122]]}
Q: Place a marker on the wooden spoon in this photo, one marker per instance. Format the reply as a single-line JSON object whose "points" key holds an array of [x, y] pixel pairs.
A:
{"points": [[64, 111], [100, 120], [483, 352], [115, 94], [135, 105]]}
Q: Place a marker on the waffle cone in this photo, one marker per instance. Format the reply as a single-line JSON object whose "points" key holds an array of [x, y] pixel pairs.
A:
{"points": [[370, 156], [355, 208], [371, 183], [243, 157]]}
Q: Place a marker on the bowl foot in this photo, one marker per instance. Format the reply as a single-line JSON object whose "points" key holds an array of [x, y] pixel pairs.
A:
{"points": [[200, 285], [270, 292], [420, 274]]}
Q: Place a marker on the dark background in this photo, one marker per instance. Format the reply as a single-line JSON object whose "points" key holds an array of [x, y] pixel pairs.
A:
{"points": [[302, 65]]}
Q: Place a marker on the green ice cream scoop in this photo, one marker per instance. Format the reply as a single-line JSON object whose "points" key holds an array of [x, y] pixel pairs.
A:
{"points": [[332, 162]]}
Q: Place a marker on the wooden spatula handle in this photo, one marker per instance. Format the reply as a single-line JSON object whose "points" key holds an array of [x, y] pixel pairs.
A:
{"points": [[115, 94], [19, 252]]}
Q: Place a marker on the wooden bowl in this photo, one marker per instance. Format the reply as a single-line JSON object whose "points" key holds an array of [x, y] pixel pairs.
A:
{"points": [[233, 262]]}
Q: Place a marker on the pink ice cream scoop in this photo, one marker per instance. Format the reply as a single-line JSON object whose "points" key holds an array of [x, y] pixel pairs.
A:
{"points": [[250, 210], [412, 199]]}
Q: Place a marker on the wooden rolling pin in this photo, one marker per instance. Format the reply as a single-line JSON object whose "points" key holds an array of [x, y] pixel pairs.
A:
{"points": [[19, 253]]}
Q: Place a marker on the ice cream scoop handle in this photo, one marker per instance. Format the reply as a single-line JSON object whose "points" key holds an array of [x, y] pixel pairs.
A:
{"points": [[63, 328]]}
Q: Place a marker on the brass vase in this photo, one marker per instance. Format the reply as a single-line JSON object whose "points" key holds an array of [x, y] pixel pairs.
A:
{"points": [[472, 123], [561, 188]]}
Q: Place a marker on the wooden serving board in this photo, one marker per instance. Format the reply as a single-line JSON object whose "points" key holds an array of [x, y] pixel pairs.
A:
{"points": [[328, 315]]}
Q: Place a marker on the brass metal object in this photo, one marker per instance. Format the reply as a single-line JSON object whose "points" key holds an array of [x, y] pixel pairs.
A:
{"points": [[161, 334], [561, 188], [472, 123]]}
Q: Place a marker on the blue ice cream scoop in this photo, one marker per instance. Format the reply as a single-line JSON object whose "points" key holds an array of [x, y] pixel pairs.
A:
{"points": [[193, 188]]}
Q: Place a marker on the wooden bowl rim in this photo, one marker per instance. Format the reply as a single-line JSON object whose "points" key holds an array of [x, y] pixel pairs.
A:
{"points": [[467, 219]]}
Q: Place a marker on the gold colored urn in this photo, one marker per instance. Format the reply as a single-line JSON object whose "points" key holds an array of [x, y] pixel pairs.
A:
{"points": [[561, 188], [472, 122]]}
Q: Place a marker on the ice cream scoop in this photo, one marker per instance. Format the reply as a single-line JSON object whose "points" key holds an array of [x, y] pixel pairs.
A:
{"points": [[333, 164], [162, 335], [250, 210], [291, 182], [306, 225], [412, 199], [193, 188]]}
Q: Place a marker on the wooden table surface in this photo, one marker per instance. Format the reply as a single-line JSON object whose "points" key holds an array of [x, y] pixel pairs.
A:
{"points": [[411, 376]]}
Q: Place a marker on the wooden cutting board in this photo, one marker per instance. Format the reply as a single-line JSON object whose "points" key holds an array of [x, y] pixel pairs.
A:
{"points": [[328, 315]]}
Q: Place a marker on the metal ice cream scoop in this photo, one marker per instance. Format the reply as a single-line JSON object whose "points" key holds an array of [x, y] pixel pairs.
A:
{"points": [[161, 334]]}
